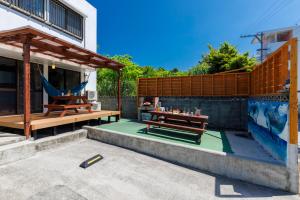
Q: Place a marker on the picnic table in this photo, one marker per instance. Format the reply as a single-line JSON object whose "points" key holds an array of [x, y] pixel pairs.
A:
{"points": [[185, 122], [69, 103]]}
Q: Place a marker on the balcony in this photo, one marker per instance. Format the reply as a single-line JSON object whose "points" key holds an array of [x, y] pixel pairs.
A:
{"points": [[51, 12]]}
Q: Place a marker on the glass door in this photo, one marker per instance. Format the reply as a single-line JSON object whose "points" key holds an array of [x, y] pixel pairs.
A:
{"points": [[8, 86]]}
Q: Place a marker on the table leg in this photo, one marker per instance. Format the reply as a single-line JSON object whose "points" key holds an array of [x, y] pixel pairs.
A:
{"points": [[199, 138], [148, 127], [47, 113], [89, 109], [63, 113], [54, 131], [117, 118]]}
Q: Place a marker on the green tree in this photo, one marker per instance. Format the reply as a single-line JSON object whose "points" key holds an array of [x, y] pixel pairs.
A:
{"points": [[224, 58], [201, 68], [107, 79]]}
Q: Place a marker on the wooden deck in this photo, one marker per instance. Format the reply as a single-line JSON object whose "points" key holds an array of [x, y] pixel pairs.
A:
{"points": [[40, 121]]}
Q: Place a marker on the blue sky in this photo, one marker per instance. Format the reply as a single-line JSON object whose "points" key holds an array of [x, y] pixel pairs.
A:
{"points": [[175, 33]]}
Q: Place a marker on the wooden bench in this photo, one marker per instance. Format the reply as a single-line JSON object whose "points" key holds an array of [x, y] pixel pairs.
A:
{"points": [[63, 106], [70, 103], [198, 131], [66, 107], [192, 123]]}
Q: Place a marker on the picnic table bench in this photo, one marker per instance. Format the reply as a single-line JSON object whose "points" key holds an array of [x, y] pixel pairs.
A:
{"points": [[70, 103], [195, 124]]}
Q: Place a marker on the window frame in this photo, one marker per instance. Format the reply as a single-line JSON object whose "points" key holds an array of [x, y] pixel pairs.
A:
{"points": [[15, 4], [67, 10], [46, 16]]}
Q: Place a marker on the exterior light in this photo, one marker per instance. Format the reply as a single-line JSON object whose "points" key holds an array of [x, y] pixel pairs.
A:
{"points": [[53, 66]]}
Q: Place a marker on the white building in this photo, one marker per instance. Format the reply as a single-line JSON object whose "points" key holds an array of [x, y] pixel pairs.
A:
{"points": [[275, 38], [73, 21]]}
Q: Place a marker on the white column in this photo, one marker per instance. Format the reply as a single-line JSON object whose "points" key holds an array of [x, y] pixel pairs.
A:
{"points": [[45, 95], [82, 77]]}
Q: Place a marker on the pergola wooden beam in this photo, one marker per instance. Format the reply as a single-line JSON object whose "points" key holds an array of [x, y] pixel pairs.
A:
{"points": [[44, 42], [33, 40], [119, 92], [27, 102]]}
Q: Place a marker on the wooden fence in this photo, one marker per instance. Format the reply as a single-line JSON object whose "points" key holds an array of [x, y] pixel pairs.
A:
{"points": [[267, 78], [271, 76], [206, 85]]}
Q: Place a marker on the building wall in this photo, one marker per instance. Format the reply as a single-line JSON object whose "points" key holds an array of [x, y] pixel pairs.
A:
{"points": [[274, 46], [12, 19]]}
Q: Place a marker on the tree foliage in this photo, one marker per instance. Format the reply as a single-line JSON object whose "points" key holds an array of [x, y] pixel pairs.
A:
{"points": [[107, 79], [224, 58], [201, 68]]}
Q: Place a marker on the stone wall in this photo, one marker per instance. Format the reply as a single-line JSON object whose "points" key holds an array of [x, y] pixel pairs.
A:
{"points": [[223, 112], [129, 106]]}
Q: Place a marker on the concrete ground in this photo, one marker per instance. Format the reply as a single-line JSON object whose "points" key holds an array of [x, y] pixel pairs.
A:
{"points": [[248, 147], [227, 141], [10, 138], [122, 174]]}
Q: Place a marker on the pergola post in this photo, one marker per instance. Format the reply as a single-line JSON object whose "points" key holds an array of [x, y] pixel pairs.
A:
{"points": [[119, 92], [26, 65]]}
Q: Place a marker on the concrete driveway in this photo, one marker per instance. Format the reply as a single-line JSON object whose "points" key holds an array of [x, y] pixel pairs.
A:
{"points": [[122, 174]]}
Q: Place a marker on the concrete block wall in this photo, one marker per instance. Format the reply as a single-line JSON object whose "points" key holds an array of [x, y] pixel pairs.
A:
{"points": [[223, 112], [129, 106]]}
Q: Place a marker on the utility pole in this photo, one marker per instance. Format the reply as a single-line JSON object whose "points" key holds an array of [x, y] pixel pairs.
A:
{"points": [[259, 37]]}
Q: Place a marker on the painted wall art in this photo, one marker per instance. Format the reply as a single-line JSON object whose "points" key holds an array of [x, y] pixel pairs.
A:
{"points": [[268, 124]]}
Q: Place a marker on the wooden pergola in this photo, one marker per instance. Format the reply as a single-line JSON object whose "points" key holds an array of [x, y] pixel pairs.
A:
{"points": [[33, 40]]}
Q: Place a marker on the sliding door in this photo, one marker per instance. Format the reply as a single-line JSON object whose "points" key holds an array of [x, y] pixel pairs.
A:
{"points": [[36, 90], [64, 79], [8, 86]]}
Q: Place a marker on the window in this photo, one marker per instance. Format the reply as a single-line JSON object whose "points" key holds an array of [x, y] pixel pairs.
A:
{"points": [[271, 38], [60, 16], [284, 36], [57, 14], [65, 18], [64, 79], [8, 86], [11, 87], [36, 88], [34, 7]]}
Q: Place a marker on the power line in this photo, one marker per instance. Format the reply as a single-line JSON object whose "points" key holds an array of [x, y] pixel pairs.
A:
{"points": [[259, 37], [266, 13], [270, 12], [277, 11]]}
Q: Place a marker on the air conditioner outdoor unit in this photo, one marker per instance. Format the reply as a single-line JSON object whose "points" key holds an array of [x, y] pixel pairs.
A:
{"points": [[96, 106], [91, 95]]}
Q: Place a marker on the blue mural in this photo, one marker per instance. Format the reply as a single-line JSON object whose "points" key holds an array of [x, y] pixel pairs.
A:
{"points": [[268, 123]]}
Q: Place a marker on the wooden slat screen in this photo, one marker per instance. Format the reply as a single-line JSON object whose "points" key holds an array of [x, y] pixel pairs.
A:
{"points": [[267, 78], [270, 77], [205, 85]]}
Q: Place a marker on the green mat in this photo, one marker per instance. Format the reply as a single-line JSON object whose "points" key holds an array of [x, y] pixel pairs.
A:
{"points": [[213, 140]]}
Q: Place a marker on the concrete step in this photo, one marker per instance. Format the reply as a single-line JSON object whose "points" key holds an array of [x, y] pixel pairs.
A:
{"points": [[10, 138], [24, 149]]}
